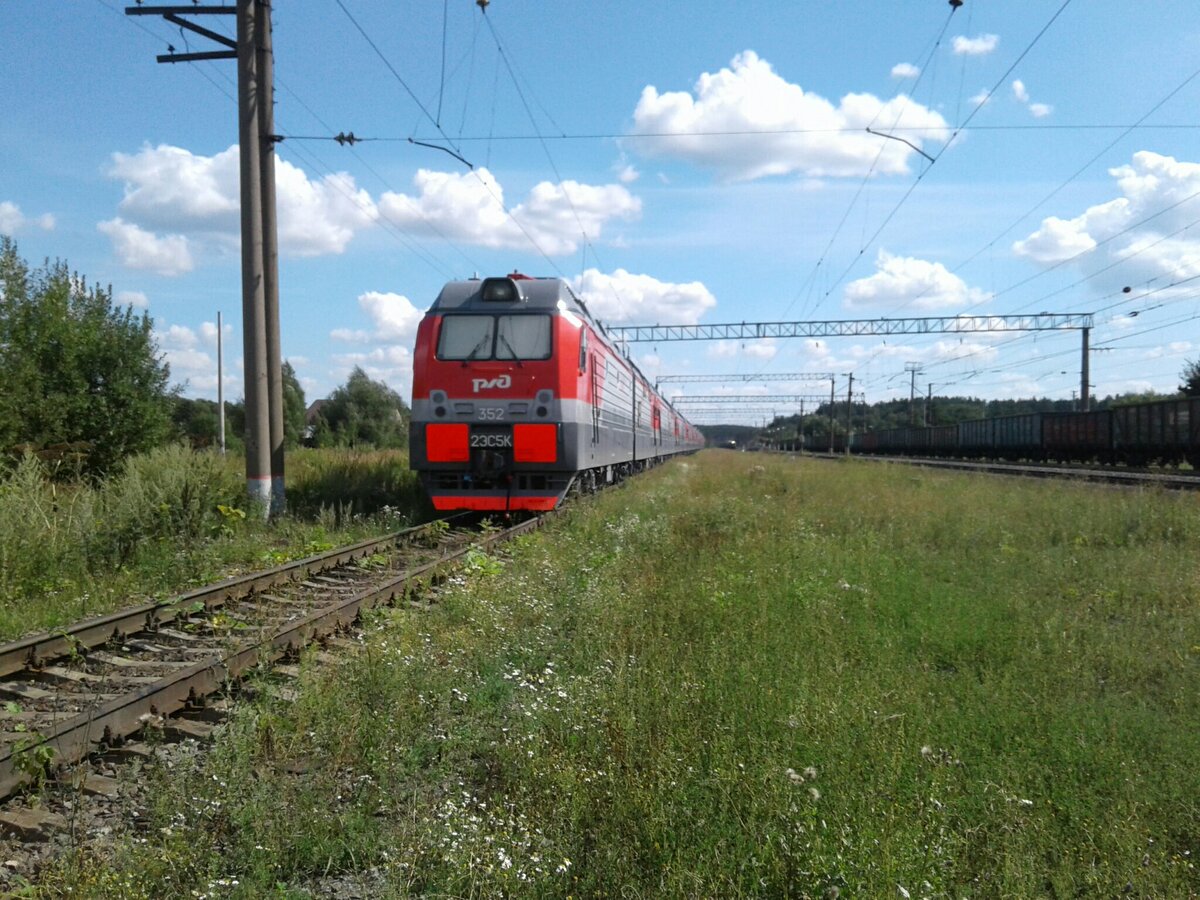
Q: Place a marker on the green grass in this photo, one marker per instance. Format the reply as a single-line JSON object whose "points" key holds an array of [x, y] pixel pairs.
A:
{"points": [[739, 676], [175, 519]]}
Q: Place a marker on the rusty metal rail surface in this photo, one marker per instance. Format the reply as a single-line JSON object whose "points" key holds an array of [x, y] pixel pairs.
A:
{"points": [[32, 650], [114, 716]]}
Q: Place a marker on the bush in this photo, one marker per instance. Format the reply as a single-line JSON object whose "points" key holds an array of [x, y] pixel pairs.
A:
{"points": [[44, 529], [353, 482], [168, 493]]}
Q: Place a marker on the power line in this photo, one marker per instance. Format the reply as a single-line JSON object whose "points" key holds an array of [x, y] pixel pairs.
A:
{"points": [[1044, 200], [399, 78], [891, 215]]}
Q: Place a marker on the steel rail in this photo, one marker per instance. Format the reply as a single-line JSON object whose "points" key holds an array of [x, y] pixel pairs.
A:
{"points": [[75, 738], [1171, 480], [29, 652]]}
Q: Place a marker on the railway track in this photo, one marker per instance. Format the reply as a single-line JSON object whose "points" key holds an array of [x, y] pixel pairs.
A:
{"points": [[70, 694], [1105, 474]]}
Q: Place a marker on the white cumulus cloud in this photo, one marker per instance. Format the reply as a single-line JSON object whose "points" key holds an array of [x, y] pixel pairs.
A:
{"points": [[976, 46], [626, 297], [193, 368], [1150, 228], [469, 207], [764, 349], [137, 248], [903, 280], [1021, 93], [394, 317], [390, 364], [170, 187], [1057, 240], [135, 299], [786, 128], [13, 220], [905, 70], [208, 332]]}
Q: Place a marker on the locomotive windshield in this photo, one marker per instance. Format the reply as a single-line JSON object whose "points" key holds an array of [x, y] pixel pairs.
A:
{"points": [[467, 337]]}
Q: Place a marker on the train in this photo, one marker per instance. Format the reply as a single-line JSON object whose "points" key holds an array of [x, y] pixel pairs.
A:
{"points": [[520, 397], [1162, 432]]}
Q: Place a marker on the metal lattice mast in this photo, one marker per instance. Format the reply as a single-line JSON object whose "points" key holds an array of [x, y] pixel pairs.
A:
{"points": [[850, 327]]}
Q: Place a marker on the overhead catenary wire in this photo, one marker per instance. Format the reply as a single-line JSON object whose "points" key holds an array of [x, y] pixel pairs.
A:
{"points": [[585, 248], [587, 242], [1125, 131], [949, 143], [473, 170], [393, 228]]}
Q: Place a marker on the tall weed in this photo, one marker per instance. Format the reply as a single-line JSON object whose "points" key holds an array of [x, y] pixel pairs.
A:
{"points": [[348, 483], [44, 529], [171, 493]]}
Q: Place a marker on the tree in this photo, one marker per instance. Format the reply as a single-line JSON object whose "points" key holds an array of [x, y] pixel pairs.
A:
{"points": [[195, 421], [294, 407], [363, 413], [1191, 379], [76, 369]]}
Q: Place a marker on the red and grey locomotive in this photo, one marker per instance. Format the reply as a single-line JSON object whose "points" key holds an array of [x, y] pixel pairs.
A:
{"points": [[519, 395]]}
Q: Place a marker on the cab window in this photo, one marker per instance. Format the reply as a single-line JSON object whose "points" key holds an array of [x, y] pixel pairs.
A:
{"points": [[469, 337], [523, 337], [466, 337]]}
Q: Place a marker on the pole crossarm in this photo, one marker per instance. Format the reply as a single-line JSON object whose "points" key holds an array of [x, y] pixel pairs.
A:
{"points": [[777, 399], [732, 331], [745, 379], [173, 14], [181, 10]]}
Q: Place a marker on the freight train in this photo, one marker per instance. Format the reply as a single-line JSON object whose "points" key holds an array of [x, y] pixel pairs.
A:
{"points": [[519, 397], [1155, 432]]}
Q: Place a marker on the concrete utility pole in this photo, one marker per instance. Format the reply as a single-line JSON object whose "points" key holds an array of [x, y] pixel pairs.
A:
{"points": [[849, 407], [220, 387], [912, 368], [832, 400], [270, 249], [1083, 373], [260, 278], [254, 302]]}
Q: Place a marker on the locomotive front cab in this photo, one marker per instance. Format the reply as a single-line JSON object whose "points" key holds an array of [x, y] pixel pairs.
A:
{"points": [[487, 402]]}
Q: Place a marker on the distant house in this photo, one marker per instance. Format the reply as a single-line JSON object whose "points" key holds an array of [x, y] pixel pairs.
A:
{"points": [[310, 414], [310, 418]]}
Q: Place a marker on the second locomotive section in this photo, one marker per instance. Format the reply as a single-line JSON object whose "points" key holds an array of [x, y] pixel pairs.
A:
{"points": [[517, 394]]}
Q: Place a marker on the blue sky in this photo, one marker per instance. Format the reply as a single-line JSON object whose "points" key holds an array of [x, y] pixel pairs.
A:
{"points": [[698, 162]]}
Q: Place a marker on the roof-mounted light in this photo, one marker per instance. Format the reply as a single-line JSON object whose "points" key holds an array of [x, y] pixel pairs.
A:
{"points": [[500, 290]]}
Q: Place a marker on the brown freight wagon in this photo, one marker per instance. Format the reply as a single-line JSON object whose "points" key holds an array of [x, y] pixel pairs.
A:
{"points": [[1078, 436], [1166, 431]]}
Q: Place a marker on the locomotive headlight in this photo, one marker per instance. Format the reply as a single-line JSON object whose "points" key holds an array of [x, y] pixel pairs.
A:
{"points": [[440, 412], [542, 412], [499, 290]]}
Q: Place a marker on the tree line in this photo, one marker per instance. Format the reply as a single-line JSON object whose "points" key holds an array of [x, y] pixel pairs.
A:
{"points": [[82, 380], [948, 411]]}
